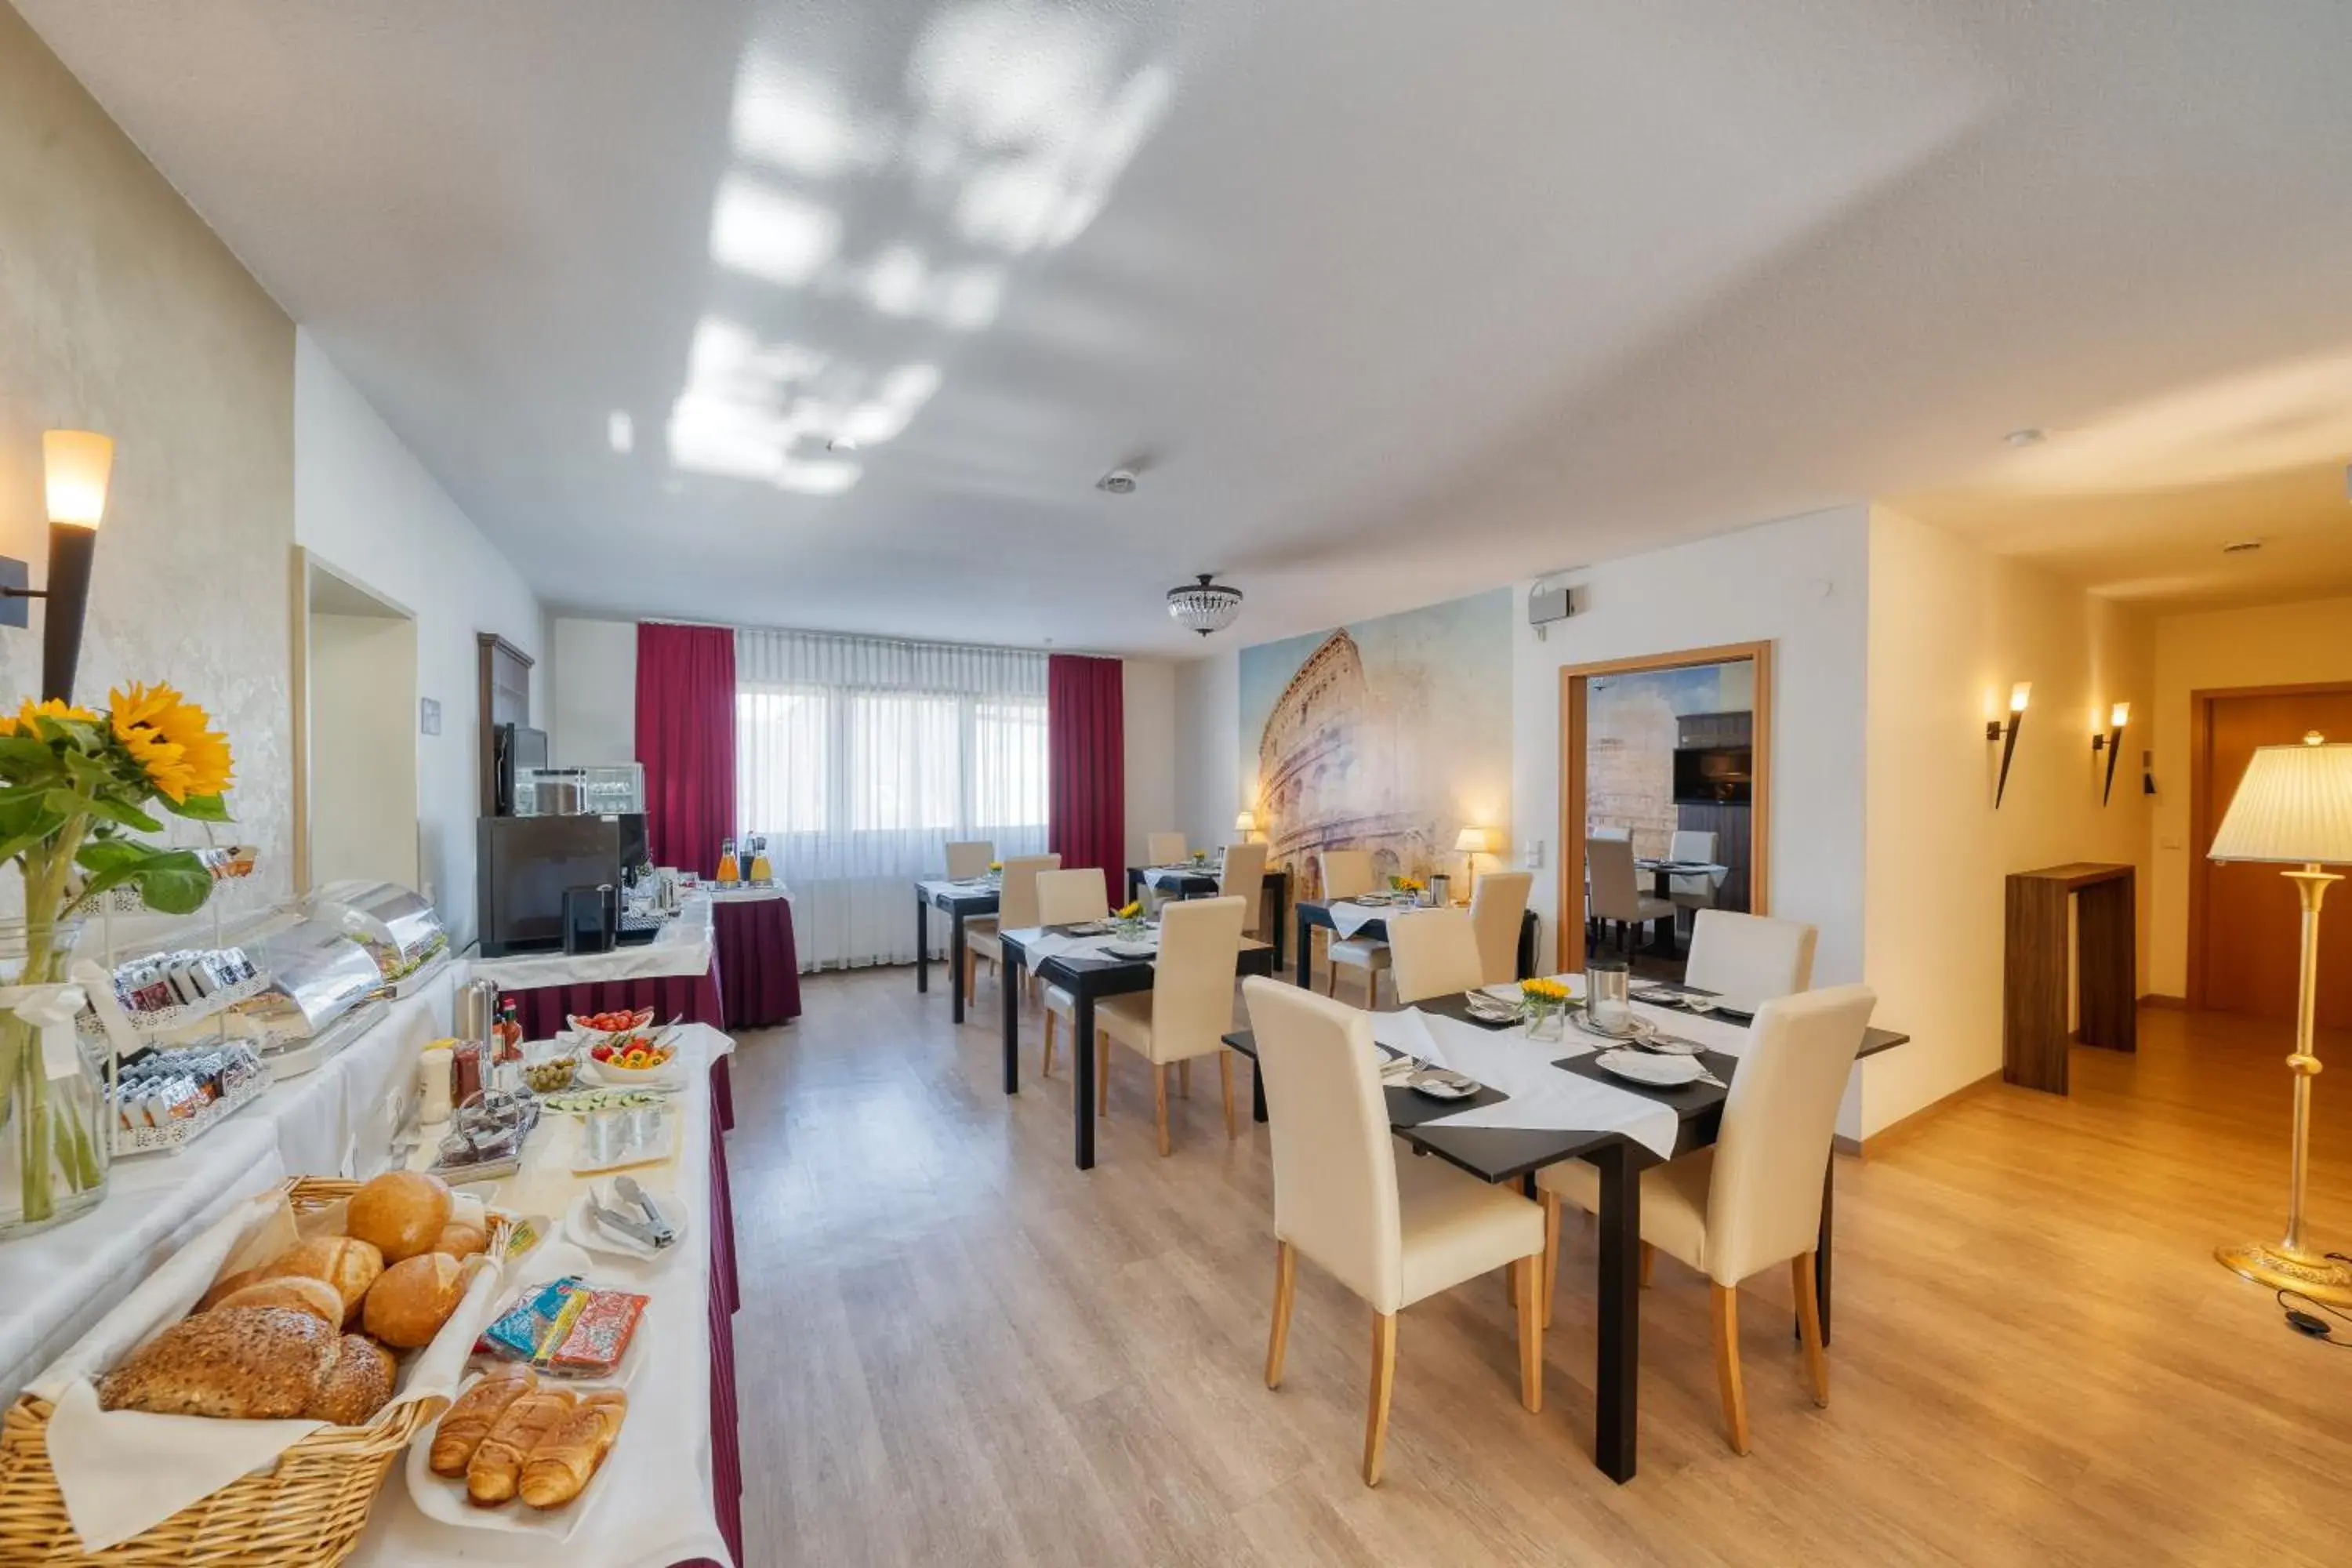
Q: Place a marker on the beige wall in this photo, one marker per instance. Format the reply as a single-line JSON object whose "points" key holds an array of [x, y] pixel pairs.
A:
{"points": [[592, 686], [121, 312], [2276, 645], [1148, 709], [1951, 630]]}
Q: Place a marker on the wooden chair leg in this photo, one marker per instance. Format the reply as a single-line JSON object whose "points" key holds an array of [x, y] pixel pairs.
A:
{"points": [[1330, 976], [1184, 1077], [1159, 1103], [1531, 1334], [1809, 1324], [1102, 1072], [1225, 1082], [1286, 1277], [1649, 1256], [1550, 1269], [971, 978], [1376, 1414], [1047, 1069], [1726, 1365]]}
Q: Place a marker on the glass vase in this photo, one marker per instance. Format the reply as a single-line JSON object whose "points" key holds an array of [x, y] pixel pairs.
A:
{"points": [[1544, 1019], [57, 1139]]}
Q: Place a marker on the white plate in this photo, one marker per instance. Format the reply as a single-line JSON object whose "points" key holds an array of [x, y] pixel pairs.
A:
{"points": [[1657, 1072], [1133, 949], [581, 1228], [1439, 1084], [444, 1498]]}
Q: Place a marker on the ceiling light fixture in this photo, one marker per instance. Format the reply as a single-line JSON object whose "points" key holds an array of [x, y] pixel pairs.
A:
{"points": [[1204, 606], [2241, 546], [1119, 482], [2029, 436]]}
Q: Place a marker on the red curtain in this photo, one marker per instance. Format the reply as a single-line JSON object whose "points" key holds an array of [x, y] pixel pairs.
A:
{"points": [[1085, 738], [686, 739]]}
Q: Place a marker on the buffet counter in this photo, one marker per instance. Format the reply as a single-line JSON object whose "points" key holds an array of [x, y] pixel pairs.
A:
{"points": [[676, 974]]}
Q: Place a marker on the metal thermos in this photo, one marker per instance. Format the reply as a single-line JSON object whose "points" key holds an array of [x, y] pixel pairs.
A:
{"points": [[1608, 992], [477, 1011]]}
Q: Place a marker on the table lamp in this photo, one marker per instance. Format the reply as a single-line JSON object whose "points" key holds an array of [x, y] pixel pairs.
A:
{"points": [[2294, 807], [1470, 843], [1245, 824]]}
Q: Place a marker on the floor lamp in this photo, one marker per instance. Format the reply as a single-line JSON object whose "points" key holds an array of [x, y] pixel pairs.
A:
{"points": [[2294, 807]]}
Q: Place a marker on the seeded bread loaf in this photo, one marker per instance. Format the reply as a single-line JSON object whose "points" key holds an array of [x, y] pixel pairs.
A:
{"points": [[232, 1363]]}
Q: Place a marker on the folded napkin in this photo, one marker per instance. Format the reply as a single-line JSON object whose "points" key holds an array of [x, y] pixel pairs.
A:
{"points": [[125, 1471]]}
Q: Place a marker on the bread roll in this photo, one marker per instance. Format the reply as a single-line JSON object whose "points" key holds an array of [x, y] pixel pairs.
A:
{"points": [[356, 1385], [465, 1424], [413, 1299], [560, 1468], [401, 1212], [496, 1468], [235, 1282], [299, 1291], [350, 1266], [460, 1241], [232, 1363]]}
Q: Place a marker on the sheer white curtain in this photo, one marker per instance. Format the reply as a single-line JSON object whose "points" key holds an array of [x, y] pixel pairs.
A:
{"points": [[860, 758]]}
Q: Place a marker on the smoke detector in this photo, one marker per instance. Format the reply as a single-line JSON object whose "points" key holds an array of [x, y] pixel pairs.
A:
{"points": [[1117, 482]]}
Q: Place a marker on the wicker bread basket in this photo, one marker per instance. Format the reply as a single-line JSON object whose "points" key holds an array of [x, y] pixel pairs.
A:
{"points": [[306, 1512]]}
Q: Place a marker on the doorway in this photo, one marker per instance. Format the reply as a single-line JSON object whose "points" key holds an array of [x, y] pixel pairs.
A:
{"points": [[355, 673], [1665, 749], [2244, 920]]}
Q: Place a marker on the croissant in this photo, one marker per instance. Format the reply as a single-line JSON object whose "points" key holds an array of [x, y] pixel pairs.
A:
{"points": [[497, 1465], [560, 1467], [469, 1421]]}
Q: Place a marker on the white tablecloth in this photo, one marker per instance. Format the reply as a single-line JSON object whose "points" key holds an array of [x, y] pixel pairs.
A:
{"points": [[1351, 917], [664, 1513], [684, 946], [1541, 1096]]}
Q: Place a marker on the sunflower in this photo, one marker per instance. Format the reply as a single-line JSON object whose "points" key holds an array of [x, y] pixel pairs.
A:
{"points": [[169, 740], [52, 708]]}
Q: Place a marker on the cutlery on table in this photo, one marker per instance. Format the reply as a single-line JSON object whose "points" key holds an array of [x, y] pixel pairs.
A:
{"points": [[664, 1233], [621, 1224]]}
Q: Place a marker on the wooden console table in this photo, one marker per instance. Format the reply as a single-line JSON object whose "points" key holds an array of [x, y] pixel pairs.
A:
{"points": [[2034, 1000]]}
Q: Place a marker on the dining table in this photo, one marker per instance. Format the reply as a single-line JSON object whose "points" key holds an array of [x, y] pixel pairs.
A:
{"points": [[960, 903], [1079, 960], [1351, 917], [1197, 879], [1559, 1086]]}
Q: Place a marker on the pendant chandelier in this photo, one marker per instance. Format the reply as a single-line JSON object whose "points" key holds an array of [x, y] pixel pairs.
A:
{"points": [[1204, 606]]}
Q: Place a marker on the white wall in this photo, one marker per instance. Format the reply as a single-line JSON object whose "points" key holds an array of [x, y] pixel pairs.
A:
{"points": [[1212, 782], [1951, 630], [2274, 644], [364, 744], [591, 696], [1148, 707], [363, 503], [1799, 584]]}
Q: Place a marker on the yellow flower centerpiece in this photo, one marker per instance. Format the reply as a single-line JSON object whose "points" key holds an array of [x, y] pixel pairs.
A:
{"points": [[1130, 916], [74, 785], [1543, 1003]]}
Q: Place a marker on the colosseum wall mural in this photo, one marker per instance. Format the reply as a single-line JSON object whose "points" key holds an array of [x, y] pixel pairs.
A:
{"points": [[1391, 734]]}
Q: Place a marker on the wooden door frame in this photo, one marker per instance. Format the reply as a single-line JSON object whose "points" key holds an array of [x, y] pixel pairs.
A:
{"points": [[1569, 939], [2201, 827]]}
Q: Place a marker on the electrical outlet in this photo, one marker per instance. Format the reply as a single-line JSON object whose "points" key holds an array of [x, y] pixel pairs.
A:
{"points": [[428, 716], [1531, 854]]}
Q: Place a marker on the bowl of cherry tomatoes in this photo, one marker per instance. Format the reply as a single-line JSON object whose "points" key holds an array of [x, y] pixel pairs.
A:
{"points": [[631, 1057], [596, 1029]]}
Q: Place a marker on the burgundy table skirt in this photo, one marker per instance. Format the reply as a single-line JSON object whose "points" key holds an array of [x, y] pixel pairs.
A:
{"points": [[726, 1295], [542, 1007], [759, 964]]}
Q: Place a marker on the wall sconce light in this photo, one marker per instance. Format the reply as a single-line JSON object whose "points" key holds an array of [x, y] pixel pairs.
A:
{"points": [[1245, 824], [2112, 743], [2019, 695], [77, 464]]}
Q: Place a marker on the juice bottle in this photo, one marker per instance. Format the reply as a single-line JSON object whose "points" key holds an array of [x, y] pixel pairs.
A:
{"points": [[728, 873]]}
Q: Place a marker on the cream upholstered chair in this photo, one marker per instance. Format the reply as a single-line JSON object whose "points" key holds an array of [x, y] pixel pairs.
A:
{"points": [[1016, 910], [969, 859], [1166, 849], [1498, 906], [1189, 1009], [1346, 874], [1066, 898], [1753, 1199], [1748, 959], [1434, 954], [1615, 889], [1242, 877], [1394, 1232], [1692, 847]]}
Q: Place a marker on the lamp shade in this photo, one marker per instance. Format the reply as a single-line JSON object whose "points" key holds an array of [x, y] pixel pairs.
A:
{"points": [[2293, 807], [76, 463], [1245, 822], [1471, 841]]}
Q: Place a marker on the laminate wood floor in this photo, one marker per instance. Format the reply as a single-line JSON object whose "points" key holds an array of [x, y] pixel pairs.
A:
{"points": [[956, 1349]]}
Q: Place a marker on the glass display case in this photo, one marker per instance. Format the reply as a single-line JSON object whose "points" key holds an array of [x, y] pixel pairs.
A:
{"points": [[396, 926], [600, 789]]}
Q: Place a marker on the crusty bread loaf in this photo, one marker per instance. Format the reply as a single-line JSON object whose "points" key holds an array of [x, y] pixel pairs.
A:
{"points": [[413, 1299], [460, 1241], [496, 1468], [465, 1424], [299, 1291], [401, 1212], [233, 1362], [350, 1264], [356, 1385], [568, 1456]]}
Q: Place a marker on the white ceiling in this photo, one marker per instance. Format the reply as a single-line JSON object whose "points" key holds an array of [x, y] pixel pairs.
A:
{"points": [[1391, 300]]}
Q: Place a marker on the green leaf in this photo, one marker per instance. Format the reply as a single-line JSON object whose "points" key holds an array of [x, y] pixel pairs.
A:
{"points": [[176, 884], [115, 854], [199, 807], [114, 810]]}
